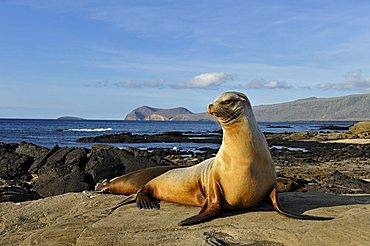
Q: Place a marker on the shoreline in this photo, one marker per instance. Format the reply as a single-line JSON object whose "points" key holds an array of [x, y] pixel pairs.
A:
{"points": [[332, 161]]}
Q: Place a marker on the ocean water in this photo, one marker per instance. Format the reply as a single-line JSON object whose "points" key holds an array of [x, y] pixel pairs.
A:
{"points": [[48, 132]]}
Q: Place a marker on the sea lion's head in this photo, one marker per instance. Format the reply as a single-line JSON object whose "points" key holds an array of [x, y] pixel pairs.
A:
{"points": [[229, 107]]}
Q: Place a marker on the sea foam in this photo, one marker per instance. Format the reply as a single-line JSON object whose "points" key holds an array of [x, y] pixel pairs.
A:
{"points": [[89, 130]]}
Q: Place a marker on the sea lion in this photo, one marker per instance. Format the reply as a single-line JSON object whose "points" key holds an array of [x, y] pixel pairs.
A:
{"points": [[132, 182], [241, 175]]}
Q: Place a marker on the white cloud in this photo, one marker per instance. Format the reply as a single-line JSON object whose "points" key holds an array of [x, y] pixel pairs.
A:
{"points": [[265, 84], [206, 80], [147, 84], [154, 83], [100, 84], [353, 81], [202, 81], [130, 84]]}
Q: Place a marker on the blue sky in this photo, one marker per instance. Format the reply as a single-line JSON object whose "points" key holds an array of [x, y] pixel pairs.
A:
{"points": [[101, 59]]}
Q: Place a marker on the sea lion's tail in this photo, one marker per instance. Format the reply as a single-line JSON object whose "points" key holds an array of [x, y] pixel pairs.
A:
{"points": [[128, 200], [273, 197]]}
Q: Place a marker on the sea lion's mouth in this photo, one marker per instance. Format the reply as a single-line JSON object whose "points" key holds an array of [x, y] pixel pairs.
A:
{"points": [[215, 114]]}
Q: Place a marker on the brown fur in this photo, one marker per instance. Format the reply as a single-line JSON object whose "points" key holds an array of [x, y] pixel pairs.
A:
{"points": [[132, 182]]}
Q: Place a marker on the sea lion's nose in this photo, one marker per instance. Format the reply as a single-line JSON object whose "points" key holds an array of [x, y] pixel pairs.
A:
{"points": [[210, 108]]}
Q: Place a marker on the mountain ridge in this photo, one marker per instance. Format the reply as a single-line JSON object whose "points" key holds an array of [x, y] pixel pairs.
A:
{"points": [[344, 108]]}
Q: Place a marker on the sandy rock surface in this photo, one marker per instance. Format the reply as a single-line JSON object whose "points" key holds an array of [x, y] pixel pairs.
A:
{"points": [[83, 219]]}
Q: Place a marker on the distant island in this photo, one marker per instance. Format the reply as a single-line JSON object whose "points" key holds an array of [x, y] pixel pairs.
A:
{"points": [[345, 108], [70, 118]]}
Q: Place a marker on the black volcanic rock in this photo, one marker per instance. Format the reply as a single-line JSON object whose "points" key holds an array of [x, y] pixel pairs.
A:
{"points": [[37, 164], [169, 137], [17, 194], [107, 138], [271, 126], [34, 151], [12, 164], [68, 169], [76, 159], [58, 158], [104, 163], [107, 162], [136, 162], [347, 184], [63, 173], [334, 128]]}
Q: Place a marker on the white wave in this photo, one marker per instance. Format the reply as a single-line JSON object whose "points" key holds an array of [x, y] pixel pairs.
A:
{"points": [[289, 148], [90, 130]]}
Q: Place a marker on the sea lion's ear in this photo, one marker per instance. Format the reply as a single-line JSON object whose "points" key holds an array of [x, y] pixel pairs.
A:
{"points": [[243, 98]]}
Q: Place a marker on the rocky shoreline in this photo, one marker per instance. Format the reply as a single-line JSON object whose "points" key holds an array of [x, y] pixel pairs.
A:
{"points": [[168, 137], [310, 159], [59, 170]]}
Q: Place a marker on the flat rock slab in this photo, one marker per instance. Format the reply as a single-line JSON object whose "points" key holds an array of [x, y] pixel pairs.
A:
{"points": [[83, 219]]}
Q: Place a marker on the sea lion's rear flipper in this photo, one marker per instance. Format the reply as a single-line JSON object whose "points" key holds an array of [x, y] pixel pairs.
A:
{"points": [[210, 209], [102, 186], [273, 197], [145, 199], [131, 182], [128, 200]]}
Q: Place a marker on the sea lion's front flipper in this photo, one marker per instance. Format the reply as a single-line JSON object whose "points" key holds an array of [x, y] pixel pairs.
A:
{"points": [[146, 200], [207, 213], [210, 209]]}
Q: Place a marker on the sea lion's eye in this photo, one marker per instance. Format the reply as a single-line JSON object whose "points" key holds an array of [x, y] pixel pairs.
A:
{"points": [[228, 101]]}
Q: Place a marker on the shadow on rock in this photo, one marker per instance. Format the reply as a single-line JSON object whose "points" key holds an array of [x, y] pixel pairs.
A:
{"points": [[300, 203]]}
